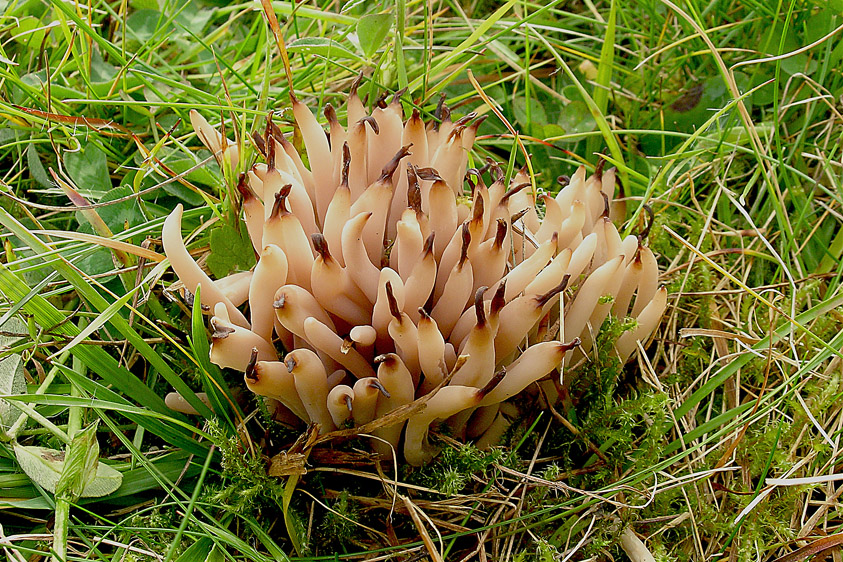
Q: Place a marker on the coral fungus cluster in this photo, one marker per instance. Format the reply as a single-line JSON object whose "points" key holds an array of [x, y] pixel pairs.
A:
{"points": [[388, 270]]}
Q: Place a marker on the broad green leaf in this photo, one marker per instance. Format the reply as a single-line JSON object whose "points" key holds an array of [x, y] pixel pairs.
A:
{"points": [[119, 216], [11, 369], [80, 464], [11, 382], [200, 175], [195, 17], [576, 118], [371, 32], [199, 551], [321, 46], [98, 262], [144, 4], [534, 125], [103, 74], [106, 481], [89, 169], [29, 31], [230, 251], [101, 71], [36, 168], [18, 492], [143, 24], [44, 467]]}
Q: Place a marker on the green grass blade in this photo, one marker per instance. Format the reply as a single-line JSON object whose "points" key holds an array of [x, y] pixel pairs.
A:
{"points": [[98, 302]]}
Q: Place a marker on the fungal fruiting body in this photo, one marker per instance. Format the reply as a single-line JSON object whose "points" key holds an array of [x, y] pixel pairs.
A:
{"points": [[386, 269]]}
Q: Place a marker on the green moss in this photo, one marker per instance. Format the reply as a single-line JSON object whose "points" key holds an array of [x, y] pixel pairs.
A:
{"points": [[453, 469], [339, 527], [246, 488], [626, 423], [694, 359]]}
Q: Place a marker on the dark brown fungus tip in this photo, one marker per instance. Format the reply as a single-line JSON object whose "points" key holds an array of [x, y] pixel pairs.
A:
{"points": [[321, 245], [478, 208], [498, 299], [472, 184], [479, 309], [514, 218], [388, 359], [279, 206], [372, 123], [637, 258], [500, 233], [260, 144], [466, 241], [394, 310], [220, 332], [428, 244], [269, 124], [513, 190], [396, 97], [485, 167], [250, 367], [541, 300], [598, 169], [413, 189], [270, 153], [375, 383], [381, 100], [645, 233], [441, 109], [428, 174], [495, 167], [352, 90], [455, 134], [346, 164], [276, 133], [571, 344], [330, 113], [244, 188], [563, 180], [389, 169], [495, 381], [478, 122], [473, 177], [462, 121], [606, 209]]}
